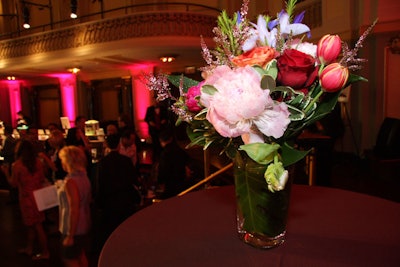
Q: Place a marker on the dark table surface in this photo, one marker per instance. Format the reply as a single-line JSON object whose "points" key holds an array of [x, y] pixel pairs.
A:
{"points": [[326, 227]]}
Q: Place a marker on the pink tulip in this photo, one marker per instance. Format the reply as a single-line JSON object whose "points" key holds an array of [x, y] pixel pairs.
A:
{"points": [[329, 48], [333, 77]]}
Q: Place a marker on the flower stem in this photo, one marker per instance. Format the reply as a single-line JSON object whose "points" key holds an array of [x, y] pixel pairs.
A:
{"points": [[313, 101]]}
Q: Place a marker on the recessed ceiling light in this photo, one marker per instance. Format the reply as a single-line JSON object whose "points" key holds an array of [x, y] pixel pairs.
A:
{"points": [[167, 59], [75, 70]]}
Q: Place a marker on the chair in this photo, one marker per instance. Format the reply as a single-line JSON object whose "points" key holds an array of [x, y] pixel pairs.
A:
{"points": [[387, 145], [385, 156]]}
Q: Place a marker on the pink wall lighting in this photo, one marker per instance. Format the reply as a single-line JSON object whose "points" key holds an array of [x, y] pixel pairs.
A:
{"points": [[141, 95], [68, 95], [15, 99]]}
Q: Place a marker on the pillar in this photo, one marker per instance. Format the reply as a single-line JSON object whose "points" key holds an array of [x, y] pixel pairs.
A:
{"points": [[141, 97]]}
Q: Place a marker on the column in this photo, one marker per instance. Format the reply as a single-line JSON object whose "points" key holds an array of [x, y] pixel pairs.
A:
{"points": [[68, 95], [141, 97], [15, 100]]}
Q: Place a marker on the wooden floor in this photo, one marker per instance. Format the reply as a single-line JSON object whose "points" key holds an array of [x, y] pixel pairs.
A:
{"points": [[348, 172]]}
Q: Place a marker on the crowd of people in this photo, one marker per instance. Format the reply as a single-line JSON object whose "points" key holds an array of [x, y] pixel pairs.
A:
{"points": [[112, 193]]}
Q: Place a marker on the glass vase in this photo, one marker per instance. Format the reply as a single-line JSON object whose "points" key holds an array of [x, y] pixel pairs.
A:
{"points": [[261, 214]]}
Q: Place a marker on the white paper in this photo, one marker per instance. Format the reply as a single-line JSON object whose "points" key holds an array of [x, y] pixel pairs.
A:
{"points": [[46, 197]]}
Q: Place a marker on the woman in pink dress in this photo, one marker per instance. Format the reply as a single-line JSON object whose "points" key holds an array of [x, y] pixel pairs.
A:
{"points": [[27, 175]]}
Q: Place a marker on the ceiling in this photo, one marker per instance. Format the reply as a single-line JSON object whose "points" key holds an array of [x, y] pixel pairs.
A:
{"points": [[106, 60]]}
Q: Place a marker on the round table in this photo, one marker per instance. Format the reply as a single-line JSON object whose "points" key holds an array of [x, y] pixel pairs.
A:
{"points": [[326, 227]]}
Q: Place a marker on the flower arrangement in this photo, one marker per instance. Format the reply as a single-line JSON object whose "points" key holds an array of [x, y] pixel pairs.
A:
{"points": [[263, 84]]}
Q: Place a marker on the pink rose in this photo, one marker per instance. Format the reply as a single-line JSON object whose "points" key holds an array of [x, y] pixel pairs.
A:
{"points": [[296, 69], [192, 98]]}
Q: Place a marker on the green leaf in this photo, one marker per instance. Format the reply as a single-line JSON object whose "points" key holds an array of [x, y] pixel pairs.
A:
{"points": [[187, 82], [355, 78], [208, 89], [260, 70], [201, 115], [295, 113], [317, 112], [298, 100], [264, 212], [267, 82], [272, 69], [262, 153], [291, 155]]}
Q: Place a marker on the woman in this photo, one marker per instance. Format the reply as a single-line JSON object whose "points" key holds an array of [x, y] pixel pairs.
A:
{"points": [[27, 175], [56, 141], [74, 195]]}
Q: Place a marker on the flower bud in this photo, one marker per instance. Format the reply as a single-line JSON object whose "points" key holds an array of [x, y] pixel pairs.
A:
{"points": [[333, 77], [329, 47]]}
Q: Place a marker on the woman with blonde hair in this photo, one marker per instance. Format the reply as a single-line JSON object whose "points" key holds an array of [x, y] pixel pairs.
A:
{"points": [[75, 196]]}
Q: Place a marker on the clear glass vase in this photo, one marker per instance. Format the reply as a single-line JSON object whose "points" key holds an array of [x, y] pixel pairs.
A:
{"points": [[261, 214]]}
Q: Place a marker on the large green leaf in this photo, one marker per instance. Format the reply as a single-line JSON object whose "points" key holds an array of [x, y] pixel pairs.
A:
{"points": [[264, 212], [262, 153], [291, 155]]}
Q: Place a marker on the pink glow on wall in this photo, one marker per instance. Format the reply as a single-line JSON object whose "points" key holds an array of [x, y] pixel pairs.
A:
{"points": [[142, 97], [15, 99], [68, 94]]}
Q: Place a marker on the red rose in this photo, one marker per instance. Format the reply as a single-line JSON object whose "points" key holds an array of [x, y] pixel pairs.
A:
{"points": [[296, 69]]}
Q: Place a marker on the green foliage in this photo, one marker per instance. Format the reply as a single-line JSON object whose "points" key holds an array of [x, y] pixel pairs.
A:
{"points": [[290, 7], [291, 155], [264, 212], [186, 82], [208, 89], [262, 153], [226, 25]]}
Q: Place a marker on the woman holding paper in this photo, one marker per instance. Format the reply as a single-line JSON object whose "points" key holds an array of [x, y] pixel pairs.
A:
{"points": [[27, 175]]}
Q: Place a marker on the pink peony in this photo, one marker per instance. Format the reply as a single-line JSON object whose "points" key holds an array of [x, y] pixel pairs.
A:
{"points": [[239, 104]]}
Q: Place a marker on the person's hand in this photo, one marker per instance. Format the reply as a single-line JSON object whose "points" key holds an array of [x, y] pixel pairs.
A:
{"points": [[68, 241]]}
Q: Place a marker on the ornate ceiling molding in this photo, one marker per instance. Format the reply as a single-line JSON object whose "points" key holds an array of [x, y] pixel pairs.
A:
{"points": [[132, 26]]}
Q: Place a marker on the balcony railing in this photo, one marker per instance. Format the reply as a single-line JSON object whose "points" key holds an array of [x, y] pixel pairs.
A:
{"points": [[107, 14], [147, 20]]}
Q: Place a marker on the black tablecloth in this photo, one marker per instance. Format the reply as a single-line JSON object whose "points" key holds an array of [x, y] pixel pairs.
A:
{"points": [[327, 227]]}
